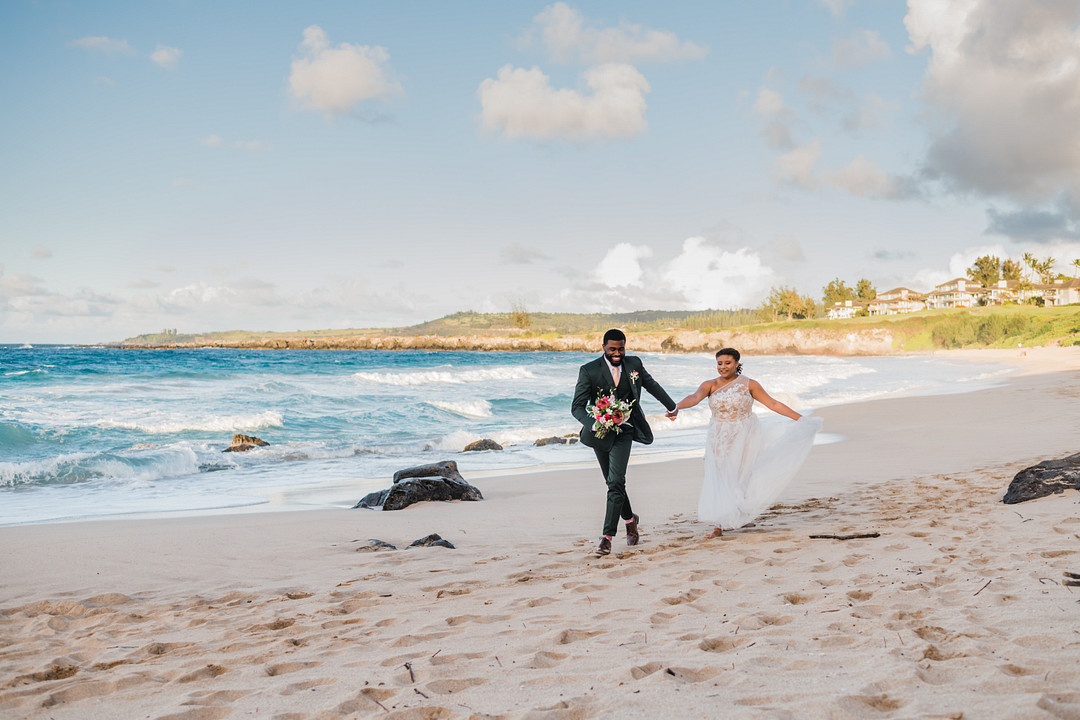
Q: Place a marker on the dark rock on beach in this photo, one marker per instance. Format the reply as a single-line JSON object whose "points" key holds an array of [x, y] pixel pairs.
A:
{"points": [[240, 443], [1049, 477], [376, 545], [485, 444], [556, 440], [432, 540], [439, 481]]}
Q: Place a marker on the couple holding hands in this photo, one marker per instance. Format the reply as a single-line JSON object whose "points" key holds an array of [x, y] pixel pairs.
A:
{"points": [[747, 465]]}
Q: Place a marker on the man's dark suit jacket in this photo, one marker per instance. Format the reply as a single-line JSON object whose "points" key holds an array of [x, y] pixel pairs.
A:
{"points": [[594, 379]]}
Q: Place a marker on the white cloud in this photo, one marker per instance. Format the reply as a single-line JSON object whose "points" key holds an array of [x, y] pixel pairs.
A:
{"points": [[333, 80], [166, 57], [42, 252], [710, 277], [211, 141], [797, 167], [522, 104], [254, 145], [515, 254], [1004, 77], [106, 45], [621, 266], [867, 116], [702, 275], [860, 48], [836, 7], [863, 178], [777, 118], [569, 38]]}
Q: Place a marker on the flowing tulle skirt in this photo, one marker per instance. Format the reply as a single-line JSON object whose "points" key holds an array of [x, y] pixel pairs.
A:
{"points": [[748, 465]]}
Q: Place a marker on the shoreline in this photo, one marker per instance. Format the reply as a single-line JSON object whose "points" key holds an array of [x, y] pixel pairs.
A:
{"points": [[957, 608]]}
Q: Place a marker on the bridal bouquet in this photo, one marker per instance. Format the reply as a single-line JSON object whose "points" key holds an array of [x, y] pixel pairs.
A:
{"points": [[609, 414]]}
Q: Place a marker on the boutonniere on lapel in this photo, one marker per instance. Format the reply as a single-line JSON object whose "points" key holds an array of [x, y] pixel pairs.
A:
{"points": [[633, 376]]}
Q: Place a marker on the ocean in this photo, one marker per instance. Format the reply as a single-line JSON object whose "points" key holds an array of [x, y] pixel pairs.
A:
{"points": [[98, 432]]}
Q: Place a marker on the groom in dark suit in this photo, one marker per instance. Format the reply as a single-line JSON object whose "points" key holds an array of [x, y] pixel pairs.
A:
{"points": [[624, 375]]}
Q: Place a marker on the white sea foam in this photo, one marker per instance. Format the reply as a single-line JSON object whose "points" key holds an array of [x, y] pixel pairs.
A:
{"points": [[465, 408], [23, 372], [446, 377], [174, 461], [226, 423]]}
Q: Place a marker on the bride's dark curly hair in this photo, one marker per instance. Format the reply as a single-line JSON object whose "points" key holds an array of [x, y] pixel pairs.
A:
{"points": [[731, 352]]}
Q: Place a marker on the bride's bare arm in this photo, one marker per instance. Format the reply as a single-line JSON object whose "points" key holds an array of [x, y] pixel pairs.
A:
{"points": [[692, 399], [759, 394]]}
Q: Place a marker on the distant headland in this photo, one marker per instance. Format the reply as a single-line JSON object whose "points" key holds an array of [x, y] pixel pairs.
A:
{"points": [[670, 332]]}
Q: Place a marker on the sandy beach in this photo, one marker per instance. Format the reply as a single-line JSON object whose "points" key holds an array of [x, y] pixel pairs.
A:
{"points": [[956, 609]]}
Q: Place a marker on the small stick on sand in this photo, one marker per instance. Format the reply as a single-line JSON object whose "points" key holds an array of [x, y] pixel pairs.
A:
{"points": [[983, 587], [845, 537], [408, 666], [417, 691]]}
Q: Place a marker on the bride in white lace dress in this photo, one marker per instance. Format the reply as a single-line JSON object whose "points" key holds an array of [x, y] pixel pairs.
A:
{"points": [[747, 464]]}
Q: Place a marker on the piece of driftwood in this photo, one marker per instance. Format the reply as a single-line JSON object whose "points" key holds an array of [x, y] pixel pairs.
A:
{"points": [[1071, 579], [856, 536]]}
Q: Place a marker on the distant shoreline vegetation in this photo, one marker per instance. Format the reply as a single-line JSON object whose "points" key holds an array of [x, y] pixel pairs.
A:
{"points": [[672, 331]]}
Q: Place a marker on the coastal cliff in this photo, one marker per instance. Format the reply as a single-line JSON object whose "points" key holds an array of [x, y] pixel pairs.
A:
{"points": [[780, 341]]}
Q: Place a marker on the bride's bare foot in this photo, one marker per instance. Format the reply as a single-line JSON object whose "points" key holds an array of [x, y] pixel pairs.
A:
{"points": [[716, 532]]}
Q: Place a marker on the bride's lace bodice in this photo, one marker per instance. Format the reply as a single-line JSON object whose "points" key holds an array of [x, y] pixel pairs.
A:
{"points": [[732, 402]]}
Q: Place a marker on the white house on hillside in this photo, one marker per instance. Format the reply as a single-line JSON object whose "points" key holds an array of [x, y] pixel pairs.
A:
{"points": [[897, 301]]}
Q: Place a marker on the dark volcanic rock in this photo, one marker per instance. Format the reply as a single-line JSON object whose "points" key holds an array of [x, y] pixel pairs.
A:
{"points": [[240, 443], [376, 545], [432, 540], [485, 444], [555, 440], [1047, 478], [440, 481], [446, 468]]}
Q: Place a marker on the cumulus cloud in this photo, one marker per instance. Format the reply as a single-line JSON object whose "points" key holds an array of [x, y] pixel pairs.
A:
{"points": [[823, 92], [1004, 77], [703, 274], [569, 37], [860, 48], [776, 117], [863, 178], [891, 255], [522, 104], [42, 252], [335, 79], [797, 166], [212, 141], [711, 277], [166, 57], [142, 284], [621, 266], [102, 44]]}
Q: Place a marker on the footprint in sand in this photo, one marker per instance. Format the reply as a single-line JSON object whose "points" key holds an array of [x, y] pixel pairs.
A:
{"points": [[448, 687], [1065, 706], [204, 713], [570, 636], [204, 673], [290, 667], [307, 685], [543, 660], [453, 658], [721, 644], [881, 702], [685, 597], [794, 598]]}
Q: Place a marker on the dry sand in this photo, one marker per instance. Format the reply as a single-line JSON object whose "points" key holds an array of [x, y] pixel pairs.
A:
{"points": [[955, 610]]}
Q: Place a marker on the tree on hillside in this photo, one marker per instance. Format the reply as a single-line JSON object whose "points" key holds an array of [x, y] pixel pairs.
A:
{"points": [[1011, 270], [785, 302], [1076, 267], [836, 292], [1045, 269], [865, 291], [986, 270]]}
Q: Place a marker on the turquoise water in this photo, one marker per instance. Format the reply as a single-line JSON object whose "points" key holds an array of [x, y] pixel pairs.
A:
{"points": [[88, 432]]}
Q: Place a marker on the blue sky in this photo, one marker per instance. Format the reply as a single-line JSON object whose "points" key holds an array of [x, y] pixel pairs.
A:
{"points": [[292, 165]]}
